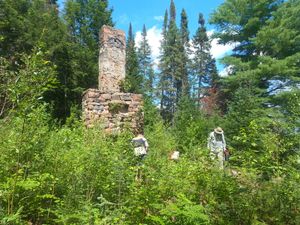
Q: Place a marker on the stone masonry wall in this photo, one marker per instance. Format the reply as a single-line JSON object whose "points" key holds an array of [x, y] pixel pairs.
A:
{"points": [[107, 106], [113, 111]]}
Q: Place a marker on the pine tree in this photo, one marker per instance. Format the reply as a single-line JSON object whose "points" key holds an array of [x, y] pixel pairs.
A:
{"points": [[263, 57], [170, 66], [278, 63], [201, 60], [175, 62], [163, 66], [77, 55], [185, 51], [134, 79], [85, 18], [240, 24], [239, 21], [27, 25], [212, 101], [145, 64], [264, 82], [213, 72]]}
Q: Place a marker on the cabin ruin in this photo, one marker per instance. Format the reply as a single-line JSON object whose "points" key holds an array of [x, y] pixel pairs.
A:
{"points": [[108, 106]]}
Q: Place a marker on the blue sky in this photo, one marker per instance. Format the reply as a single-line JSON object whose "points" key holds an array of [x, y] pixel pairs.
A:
{"points": [[151, 12]]}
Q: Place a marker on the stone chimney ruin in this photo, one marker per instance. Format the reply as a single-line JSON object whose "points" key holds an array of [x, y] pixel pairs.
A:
{"points": [[107, 105], [112, 57]]}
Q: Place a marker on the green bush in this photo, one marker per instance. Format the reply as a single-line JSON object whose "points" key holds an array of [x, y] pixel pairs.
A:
{"points": [[74, 175]]}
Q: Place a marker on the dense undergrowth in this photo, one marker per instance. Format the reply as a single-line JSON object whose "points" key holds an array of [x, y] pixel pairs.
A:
{"points": [[73, 175], [70, 175]]}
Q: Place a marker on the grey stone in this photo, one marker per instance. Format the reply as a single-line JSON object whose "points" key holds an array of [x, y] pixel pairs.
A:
{"points": [[107, 105], [106, 96], [112, 58]]}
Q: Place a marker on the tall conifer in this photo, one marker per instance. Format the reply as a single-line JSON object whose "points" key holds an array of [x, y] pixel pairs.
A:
{"points": [[163, 66], [145, 63], [78, 56], [201, 60], [133, 78], [170, 66], [185, 50]]}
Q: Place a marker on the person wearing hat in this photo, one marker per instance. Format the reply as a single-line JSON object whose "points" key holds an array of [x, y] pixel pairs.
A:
{"points": [[217, 145]]}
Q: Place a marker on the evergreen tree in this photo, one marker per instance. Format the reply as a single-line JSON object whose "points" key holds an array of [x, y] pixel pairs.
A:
{"points": [[84, 20], [77, 56], [72, 47], [212, 101], [185, 51], [163, 66], [271, 68], [174, 46], [26, 25], [145, 64], [240, 24], [277, 72], [239, 21], [213, 72], [203, 63], [170, 64], [268, 82], [134, 80]]}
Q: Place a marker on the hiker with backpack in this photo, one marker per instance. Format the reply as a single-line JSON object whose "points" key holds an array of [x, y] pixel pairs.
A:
{"points": [[141, 145], [217, 145]]}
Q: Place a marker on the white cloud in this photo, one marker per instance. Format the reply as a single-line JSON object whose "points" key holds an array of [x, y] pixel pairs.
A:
{"points": [[154, 38], [217, 50], [159, 18], [226, 71]]}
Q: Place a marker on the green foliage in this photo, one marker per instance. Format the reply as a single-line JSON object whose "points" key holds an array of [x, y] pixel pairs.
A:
{"points": [[70, 174], [182, 211], [259, 63], [202, 58], [71, 43], [185, 51], [192, 126], [146, 64], [134, 80], [238, 21], [172, 65], [117, 107], [25, 24], [85, 18], [74, 175], [152, 114], [77, 54], [23, 88]]}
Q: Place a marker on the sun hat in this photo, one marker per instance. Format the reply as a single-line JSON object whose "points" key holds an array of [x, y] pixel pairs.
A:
{"points": [[218, 130]]}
